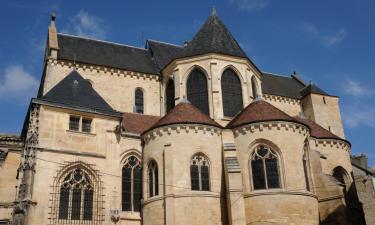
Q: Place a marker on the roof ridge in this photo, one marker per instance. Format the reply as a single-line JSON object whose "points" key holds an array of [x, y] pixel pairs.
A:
{"points": [[103, 41], [166, 43], [277, 74]]}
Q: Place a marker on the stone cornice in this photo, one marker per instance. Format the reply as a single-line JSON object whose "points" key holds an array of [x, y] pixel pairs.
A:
{"points": [[324, 142], [281, 99], [279, 192], [103, 69], [192, 195], [270, 125], [181, 129]]}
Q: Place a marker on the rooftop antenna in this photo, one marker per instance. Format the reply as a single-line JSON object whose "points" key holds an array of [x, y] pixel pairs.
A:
{"points": [[142, 38]]}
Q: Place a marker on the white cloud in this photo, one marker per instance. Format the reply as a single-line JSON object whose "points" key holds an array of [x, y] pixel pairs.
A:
{"points": [[250, 5], [328, 39], [355, 88], [86, 25], [359, 116], [17, 84]]}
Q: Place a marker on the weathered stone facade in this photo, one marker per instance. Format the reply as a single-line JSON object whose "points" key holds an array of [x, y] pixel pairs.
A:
{"points": [[180, 166]]}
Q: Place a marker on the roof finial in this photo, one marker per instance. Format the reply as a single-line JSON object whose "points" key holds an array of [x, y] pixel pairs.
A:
{"points": [[53, 19], [213, 12]]}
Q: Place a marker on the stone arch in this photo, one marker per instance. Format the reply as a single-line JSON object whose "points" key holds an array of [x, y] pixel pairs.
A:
{"points": [[200, 172], [197, 89], [232, 96]]}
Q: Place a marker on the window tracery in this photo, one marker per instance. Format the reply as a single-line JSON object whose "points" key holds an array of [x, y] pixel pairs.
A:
{"points": [[153, 180], [231, 93], [131, 184], [197, 91], [199, 173]]}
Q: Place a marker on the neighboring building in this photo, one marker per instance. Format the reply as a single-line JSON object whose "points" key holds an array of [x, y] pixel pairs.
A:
{"points": [[169, 134], [10, 152], [364, 178]]}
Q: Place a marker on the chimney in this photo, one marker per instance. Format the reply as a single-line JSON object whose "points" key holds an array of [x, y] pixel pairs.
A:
{"points": [[53, 45], [360, 161]]}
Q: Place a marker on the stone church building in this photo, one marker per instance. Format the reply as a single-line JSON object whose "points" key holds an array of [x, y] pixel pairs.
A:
{"points": [[174, 135]]}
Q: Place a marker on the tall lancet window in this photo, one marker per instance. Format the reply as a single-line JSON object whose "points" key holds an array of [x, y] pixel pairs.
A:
{"points": [[199, 173], [265, 168], [169, 92], [76, 196], [254, 87], [231, 93], [197, 91], [306, 170], [132, 184], [153, 180], [139, 104]]}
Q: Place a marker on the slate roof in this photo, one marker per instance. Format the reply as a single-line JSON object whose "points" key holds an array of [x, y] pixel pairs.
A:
{"points": [[138, 123], [163, 53], [291, 87], [213, 37], [259, 111], [281, 85], [76, 92], [312, 89], [103, 53], [184, 113]]}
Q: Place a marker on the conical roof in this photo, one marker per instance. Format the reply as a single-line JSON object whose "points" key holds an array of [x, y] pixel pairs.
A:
{"points": [[184, 113], [260, 111], [213, 37]]}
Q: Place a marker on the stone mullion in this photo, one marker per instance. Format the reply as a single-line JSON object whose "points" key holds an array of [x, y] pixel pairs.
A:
{"points": [[265, 172]]}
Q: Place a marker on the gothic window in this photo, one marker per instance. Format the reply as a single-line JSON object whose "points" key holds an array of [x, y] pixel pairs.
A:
{"points": [[131, 184], [306, 167], [139, 101], [199, 173], [170, 95], [153, 180], [197, 91], [231, 93], [265, 168], [254, 87], [76, 196]]}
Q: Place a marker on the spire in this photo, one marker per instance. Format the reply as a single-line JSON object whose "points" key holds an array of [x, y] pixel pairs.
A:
{"points": [[53, 45]]}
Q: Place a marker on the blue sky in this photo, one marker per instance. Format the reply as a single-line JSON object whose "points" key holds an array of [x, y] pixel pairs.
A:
{"points": [[328, 42]]}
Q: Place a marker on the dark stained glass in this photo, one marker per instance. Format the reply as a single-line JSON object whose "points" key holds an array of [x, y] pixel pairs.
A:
{"points": [[231, 93], [88, 204], [272, 172], [64, 203], [194, 174], [76, 204], [137, 189], [156, 180], [126, 189], [138, 101], [305, 170], [197, 91], [205, 178], [170, 102], [258, 174]]}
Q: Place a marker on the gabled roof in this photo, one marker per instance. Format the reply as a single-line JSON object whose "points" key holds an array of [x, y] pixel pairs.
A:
{"points": [[312, 89], [138, 123], [259, 111], [163, 53], [213, 37], [76, 92], [104, 53], [184, 113]]}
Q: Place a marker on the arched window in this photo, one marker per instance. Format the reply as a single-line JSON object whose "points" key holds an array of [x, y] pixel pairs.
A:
{"points": [[254, 87], [197, 91], [306, 167], [153, 180], [231, 93], [131, 184], [170, 95], [265, 168], [138, 101], [199, 173], [76, 196], [341, 176]]}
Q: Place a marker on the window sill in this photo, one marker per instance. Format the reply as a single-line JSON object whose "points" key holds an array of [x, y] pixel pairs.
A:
{"points": [[130, 215], [80, 133]]}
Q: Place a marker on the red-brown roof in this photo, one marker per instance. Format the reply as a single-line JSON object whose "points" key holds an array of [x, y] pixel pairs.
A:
{"points": [[138, 123], [316, 130], [185, 113], [259, 111]]}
